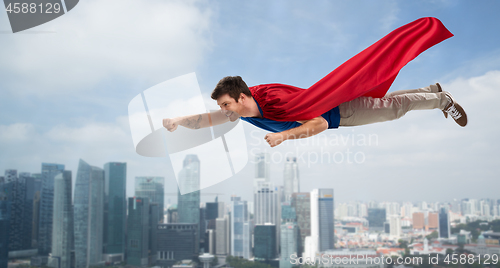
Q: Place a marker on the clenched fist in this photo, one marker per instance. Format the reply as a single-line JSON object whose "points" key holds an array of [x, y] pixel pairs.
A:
{"points": [[274, 139], [170, 124]]}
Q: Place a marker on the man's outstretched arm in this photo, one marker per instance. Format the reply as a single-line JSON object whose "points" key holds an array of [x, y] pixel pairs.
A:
{"points": [[197, 121], [307, 129]]}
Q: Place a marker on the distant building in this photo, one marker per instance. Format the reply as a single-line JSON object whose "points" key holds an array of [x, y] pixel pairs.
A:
{"points": [[241, 239], [4, 225], [88, 215], [433, 221], [395, 225], [289, 243], [152, 188], [291, 178], [222, 245], [115, 210], [301, 202], [176, 242], [138, 231], [265, 241], [62, 235], [49, 171], [418, 221], [376, 218], [444, 223]]}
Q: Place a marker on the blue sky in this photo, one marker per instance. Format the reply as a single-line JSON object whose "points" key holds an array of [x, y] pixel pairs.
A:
{"points": [[65, 93]]}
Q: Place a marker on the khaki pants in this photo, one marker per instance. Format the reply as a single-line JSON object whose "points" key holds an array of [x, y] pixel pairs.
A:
{"points": [[367, 110]]}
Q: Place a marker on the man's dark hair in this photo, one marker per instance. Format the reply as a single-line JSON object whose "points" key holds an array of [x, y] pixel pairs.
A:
{"points": [[232, 85]]}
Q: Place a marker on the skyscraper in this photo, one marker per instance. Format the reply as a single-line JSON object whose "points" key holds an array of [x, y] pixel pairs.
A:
{"points": [[240, 229], [222, 246], [376, 218], [62, 232], [49, 171], [291, 178], [444, 223], [395, 226], [265, 241], [152, 188], [302, 204], [289, 243], [36, 210], [322, 223], [88, 215], [267, 208], [29, 193], [261, 169], [188, 205], [137, 231], [4, 225], [115, 210], [16, 191]]}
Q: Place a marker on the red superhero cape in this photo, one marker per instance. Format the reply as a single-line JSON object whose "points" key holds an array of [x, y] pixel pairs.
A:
{"points": [[369, 73]]}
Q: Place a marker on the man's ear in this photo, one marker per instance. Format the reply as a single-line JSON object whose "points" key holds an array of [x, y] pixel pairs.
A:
{"points": [[243, 96]]}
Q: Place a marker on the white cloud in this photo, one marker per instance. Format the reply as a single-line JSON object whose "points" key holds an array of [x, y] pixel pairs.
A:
{"points": [[99, 40]]}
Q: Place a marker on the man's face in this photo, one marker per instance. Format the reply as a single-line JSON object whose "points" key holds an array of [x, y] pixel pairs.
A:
{"points": [[229, 106]]}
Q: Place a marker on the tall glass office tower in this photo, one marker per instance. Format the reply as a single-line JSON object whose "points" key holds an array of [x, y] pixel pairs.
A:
{"points": [[49, 171], [115, 209], [15, 189], [240, 229], [88, 215], [188, 205], [62, 235], [137, 231], [302, 204], [4, 225], [444, 223], [291, 178], [152, 188]]}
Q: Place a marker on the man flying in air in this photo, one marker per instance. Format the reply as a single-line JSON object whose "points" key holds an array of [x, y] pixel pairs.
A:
{"points": [[353, 94]]}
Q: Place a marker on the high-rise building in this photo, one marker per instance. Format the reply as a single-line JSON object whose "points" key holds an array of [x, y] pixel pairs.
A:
{"points": [[262, 169], [322, 222], [154, 220], [176, 242], [444, 223], [267, 208], [432, 220], [36, 209], [115, 210], [418, 220], [29, 193], [395, 226], [152, 188], [88, 215], [188, 205], [62, 232], [376, 218], [302, 204], [240, 230], [265, 241], [291, 178], [289, 243], [4, 224], [222, 247], [49, 171], [138, 231], [16, 192]]}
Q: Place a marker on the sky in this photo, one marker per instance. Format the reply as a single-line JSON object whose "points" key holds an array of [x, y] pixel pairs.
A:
{"points": [[66, 85]]}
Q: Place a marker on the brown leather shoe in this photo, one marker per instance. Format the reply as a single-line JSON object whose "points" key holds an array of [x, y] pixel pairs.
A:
{"points": [[456, 111]]}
